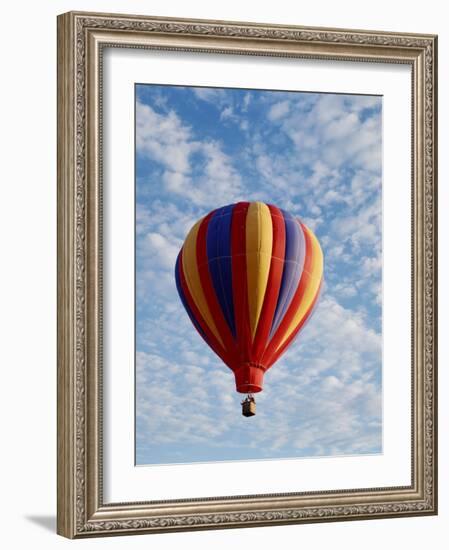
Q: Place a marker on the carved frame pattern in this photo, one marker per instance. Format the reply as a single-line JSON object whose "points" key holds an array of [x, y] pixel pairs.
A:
{"points": [[81, 37]]}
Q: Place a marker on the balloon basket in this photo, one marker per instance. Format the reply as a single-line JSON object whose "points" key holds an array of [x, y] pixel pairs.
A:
{"points": [[249, 406]]}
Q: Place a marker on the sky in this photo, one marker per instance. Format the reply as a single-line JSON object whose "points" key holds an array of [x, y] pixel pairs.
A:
{"points": [[318, 156]]}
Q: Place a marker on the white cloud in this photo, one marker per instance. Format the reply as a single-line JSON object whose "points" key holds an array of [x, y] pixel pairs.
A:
{"points": [[212, 180], [227, 112], [323, 396], [167, 218], [331, 383], [345, 290], [318, 403], [246, 101], [163, 138], [332, 196], [279, 110], [211, 95], [334, 132], [363, 228], [160, 250], [340, 329], [176, 403], [158, 242], [371, 265]]}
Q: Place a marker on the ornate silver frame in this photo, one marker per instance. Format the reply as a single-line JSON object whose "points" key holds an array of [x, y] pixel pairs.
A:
{"points": [[81, 511]]}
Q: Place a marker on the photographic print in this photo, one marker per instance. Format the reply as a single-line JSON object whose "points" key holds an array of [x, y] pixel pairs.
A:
{"points": [[258, 280], [247, 282]]}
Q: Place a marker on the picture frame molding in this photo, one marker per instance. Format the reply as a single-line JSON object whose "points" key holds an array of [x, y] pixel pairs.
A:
{"points": [[81, 39]]}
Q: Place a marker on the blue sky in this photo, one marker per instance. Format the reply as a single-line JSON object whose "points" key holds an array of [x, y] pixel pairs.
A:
{"points": [[319, 156]]}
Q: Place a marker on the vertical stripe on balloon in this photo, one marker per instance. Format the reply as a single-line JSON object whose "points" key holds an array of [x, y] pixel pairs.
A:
{"points": [[293, 266], [283, 347], [259, 245], [192, 276], [208, 287], [219, 259], [311, 289], [239, 282], [192, 309], [273, 284], [183, 297], [305, 293]]}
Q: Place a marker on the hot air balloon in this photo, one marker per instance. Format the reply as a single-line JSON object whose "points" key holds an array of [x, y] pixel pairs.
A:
{"points": [[249, 276]]}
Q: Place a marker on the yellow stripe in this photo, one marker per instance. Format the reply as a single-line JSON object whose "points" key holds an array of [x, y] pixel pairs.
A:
{"points": [[192, 275], [259, 246], [312, 288]]}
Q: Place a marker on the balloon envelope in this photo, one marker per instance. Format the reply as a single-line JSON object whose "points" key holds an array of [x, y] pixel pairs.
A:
{"points": [[249, 275]]}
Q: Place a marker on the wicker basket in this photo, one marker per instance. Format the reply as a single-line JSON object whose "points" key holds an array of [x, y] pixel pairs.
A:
{"points": [[249, 407]]}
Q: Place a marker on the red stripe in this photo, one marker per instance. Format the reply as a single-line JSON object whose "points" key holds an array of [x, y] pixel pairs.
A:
{"points": [[273, 284], [293, 335], [294, 305], [210, 338], [239, 283], [209, 291]]}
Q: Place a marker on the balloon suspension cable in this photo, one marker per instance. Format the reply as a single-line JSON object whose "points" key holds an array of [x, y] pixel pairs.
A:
{"points": [[249, 405]]}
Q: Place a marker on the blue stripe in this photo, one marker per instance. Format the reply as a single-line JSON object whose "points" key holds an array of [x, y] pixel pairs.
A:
{"points": [[218, 245], [183, 298], [295, 247]]}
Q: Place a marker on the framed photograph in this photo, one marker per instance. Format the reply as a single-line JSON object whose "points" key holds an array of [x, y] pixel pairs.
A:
{"points": [[247, 274]]}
